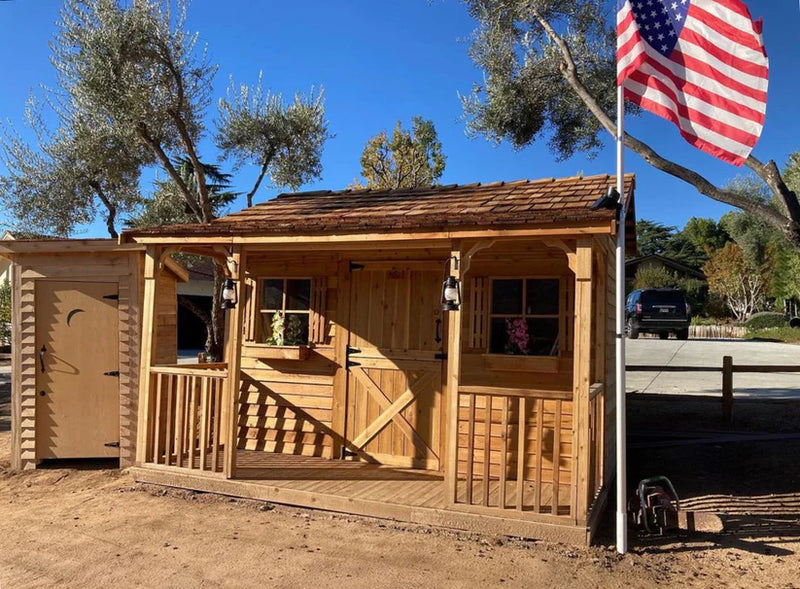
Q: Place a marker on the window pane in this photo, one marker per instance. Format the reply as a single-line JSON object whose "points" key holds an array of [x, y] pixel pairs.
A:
{"points": [[509, 336], [543, 337], [507, 297], [542, 297], [272, 294], [298, 294], [295, 332]]}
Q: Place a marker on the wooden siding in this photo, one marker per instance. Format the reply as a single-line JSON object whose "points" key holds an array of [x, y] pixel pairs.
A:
{"points": [[166, 342]]}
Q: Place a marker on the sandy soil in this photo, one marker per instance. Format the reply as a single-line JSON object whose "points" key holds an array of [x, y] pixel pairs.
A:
{"points": [[76, 526]]}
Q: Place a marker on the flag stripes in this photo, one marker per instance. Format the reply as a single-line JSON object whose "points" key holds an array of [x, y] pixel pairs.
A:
{"points": [[700, 64]]}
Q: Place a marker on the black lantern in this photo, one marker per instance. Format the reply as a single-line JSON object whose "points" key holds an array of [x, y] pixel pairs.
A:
{"points": [[229, 298], [451, 294]]}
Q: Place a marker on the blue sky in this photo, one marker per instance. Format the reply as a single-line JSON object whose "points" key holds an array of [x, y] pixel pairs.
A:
{"points": [[388, 60]]}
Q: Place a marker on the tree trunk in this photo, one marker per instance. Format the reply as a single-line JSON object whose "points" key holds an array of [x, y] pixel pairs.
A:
{"points": [[215, 342]]}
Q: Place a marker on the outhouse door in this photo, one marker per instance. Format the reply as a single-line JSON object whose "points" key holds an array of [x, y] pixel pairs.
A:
{"points": [[77, 378], [395, 363]]}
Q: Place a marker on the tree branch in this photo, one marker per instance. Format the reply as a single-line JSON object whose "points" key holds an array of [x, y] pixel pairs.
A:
{"points": [[261, 175], [769, 173], [112, 209]]}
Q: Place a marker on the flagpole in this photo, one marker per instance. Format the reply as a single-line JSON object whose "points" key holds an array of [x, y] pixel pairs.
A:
{"points": [[621, 443]]}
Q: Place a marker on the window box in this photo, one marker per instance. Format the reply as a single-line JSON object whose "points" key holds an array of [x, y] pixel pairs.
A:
{"points": [[508, 363], [267, 352]]}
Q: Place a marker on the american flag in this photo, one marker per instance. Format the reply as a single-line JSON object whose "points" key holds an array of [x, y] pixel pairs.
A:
{"points": [[700, 64]]}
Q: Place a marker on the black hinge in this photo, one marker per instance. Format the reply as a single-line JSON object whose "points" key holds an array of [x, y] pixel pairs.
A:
{"points": [[351, 363], [347, 453], [112, 444], [112, 297], [111, 373], [351, 350], [440, 356], [355, 266]]}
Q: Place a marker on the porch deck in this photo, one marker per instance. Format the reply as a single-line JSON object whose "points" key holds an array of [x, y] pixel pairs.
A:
{"points": [[413, 496]]}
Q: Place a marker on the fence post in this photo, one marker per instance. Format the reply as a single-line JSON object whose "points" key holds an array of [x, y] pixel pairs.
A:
{"points": [[727, 388]]}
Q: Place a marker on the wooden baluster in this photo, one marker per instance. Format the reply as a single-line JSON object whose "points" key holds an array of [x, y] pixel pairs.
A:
{"points": [[521, 453], [537, 490], [204, 422], [217, 425], [168, 430], [180, 398], [193, 420], [487, 450], [501, 501], [470, 446], [157, 420], [557, 458]]}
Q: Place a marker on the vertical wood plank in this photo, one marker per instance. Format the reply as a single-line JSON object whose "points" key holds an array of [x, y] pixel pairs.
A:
{"points": [[204, 410], [193, 420], [180, 402], [521, 435], [148, 335], [341, 339], [487, 449], [727, 388], [168, 425], [233, 356], [470, 447], [219, 392], [453, 373], [157, 424], [557, 458], [501, 501], [537, 490]]}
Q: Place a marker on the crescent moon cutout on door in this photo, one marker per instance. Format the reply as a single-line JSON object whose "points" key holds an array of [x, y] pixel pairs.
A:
{"points": [[72, 313]]}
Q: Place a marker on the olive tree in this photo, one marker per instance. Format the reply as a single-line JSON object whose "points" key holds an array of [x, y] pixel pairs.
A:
{"points": [[549, 70]]}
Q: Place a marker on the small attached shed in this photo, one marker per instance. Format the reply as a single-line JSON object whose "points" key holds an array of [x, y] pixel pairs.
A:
{"points": [[75, 346], [349, 384]]}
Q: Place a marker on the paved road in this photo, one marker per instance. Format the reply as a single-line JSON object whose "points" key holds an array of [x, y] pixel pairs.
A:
{"points": [[709, 353]]}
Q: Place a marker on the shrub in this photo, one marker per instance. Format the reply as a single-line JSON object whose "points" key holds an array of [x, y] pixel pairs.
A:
{"points": [[766, 320]]}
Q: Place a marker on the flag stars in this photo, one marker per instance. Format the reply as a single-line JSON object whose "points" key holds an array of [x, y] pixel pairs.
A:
{"points": [[660, 22]]}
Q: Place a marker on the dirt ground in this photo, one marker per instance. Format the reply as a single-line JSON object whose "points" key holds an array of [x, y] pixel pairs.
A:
{"points": [[84, 526]]}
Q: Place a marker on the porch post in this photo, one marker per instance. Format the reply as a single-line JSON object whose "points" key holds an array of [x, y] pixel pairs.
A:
{"points": [[233, 356], [452, 373], [581, 373], [143, 440]]}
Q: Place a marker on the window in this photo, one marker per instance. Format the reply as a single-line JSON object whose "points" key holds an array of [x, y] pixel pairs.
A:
{"points": [[284, 311], [524, 316]]}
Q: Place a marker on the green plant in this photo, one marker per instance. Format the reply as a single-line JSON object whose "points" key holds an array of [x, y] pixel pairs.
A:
{"points": [[775, 334], [766, 320], [276, 337]]}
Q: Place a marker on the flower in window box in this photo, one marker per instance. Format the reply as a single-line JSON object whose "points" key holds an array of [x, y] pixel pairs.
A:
{"points": [[276, 338], [518, 338]]}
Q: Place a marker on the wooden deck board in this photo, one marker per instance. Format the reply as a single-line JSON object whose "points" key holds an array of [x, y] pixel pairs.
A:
{"points": [[370, 490]]}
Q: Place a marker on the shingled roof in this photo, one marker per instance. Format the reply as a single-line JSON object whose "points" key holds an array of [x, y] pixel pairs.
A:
{"points": [[524, 202]]}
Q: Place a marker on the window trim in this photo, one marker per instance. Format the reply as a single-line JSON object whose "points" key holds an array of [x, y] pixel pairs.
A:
{"points": [[560, 316], [259, 310]]}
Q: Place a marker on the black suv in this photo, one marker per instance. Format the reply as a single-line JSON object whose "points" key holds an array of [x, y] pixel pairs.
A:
{"points": [[657, 310]]}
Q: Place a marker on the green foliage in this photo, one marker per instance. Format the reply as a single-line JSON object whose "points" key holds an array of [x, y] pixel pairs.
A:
{"points": [[409, 159], [739, 282], [277, 326], [284, 141], [787, 335], [524, 94], [706, 234], [5, 312], [696, 292], [655, 238], [654, 277], [766, 319]]}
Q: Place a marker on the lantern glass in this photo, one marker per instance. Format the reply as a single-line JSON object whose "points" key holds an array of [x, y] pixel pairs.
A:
{"points": [[229, 294], [451, 294]]}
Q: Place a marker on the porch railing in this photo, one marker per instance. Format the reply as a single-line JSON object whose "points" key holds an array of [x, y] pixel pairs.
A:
{"points": [[187, 416], [515, 450], [597, 424]]}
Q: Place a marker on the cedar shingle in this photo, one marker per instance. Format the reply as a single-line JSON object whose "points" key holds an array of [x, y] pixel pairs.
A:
{"points": [[430, 208]]}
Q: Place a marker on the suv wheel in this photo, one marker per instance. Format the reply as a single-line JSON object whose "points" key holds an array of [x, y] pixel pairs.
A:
{"points": [[632, 329], [683, 333]]}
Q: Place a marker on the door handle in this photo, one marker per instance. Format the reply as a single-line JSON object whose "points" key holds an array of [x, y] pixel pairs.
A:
{"points": [[438, 337], [42, 352]]}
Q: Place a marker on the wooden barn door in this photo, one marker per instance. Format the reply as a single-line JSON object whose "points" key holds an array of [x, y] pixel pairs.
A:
{"points": [[394, 386], [77, 383]]}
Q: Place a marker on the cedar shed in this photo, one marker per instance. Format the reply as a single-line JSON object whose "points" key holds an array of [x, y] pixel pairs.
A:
{"points": [[353, 382]]}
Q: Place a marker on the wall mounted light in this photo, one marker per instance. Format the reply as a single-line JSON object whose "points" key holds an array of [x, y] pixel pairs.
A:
{"points": [[451, 289], [229, 297]]}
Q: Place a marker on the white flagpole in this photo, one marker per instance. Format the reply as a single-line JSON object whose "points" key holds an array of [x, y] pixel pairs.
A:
{"points": [[622, 470]]}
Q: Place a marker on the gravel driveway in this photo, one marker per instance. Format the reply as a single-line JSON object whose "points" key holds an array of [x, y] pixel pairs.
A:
{"points": [[709, 353]]}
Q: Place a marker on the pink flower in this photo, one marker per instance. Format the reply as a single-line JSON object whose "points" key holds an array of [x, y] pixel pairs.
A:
{"points": [[517, 331]]}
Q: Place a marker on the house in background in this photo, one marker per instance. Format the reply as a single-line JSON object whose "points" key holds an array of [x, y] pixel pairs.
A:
{"points": [[656, 261]]}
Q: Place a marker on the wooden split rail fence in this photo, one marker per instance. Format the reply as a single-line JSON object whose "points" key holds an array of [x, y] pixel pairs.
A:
{"points": [[187, 416], [727, 369]]}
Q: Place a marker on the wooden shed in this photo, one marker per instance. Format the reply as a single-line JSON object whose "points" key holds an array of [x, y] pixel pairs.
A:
{"points": [[348, 387], [75, 343]]}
